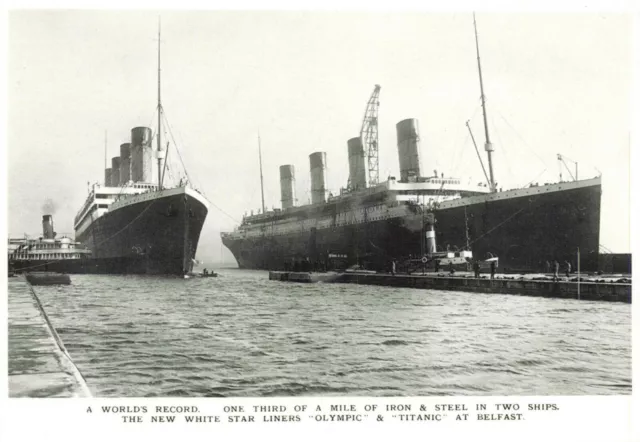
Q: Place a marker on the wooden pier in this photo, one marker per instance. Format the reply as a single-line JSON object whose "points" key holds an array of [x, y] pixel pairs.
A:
{"points": [[39, 365], [588, 290]]}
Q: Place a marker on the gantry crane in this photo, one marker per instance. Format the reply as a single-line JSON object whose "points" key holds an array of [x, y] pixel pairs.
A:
{"points": [[369, 136]]}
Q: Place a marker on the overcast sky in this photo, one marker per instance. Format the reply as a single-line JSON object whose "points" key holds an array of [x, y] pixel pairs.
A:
{"points": [[555, 83]]}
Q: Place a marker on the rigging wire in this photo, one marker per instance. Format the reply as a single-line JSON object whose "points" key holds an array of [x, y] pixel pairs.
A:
{"points": [[605, 248], [127, 225], [176, 146], [455, 167], [491, 230], [170, 174], [225, 213], [539, 175], [460, 158], [521, 139], [41, 265], [503, 150], [153, 121]]}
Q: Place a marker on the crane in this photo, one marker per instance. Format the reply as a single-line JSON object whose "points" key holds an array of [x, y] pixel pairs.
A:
{"points": [[562, 162], [369, 135]]}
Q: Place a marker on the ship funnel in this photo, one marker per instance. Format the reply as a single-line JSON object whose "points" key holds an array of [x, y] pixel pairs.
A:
{"points": [[125, 163], [318, 165], [115, 171], [287, 186], [47, 227], [141, 155], [107, 177], [357, 170], [430, 233], [408, 149]]}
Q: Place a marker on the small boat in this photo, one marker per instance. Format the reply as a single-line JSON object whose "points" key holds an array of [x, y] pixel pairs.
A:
{"points": [[201, 275], [304, 276], [48, 278]]}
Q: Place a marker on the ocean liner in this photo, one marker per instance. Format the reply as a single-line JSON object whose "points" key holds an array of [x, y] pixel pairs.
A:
{"points": [[134, 225], [373, 222]]}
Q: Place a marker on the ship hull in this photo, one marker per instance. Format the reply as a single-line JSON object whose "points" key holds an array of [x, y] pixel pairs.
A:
{"points": [[523, 231], [156, 234], [61, 266]]}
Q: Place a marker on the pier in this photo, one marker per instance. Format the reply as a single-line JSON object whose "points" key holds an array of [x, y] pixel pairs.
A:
{"points": [[591, 289], [39, 364]]}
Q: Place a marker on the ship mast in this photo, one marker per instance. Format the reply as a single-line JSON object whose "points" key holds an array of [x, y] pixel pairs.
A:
{"points": [[160, 151], [487, 146], [261, 179], [105, 155]]}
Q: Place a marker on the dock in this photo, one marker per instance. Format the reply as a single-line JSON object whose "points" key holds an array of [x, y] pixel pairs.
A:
{"points": [[602, 289], [306, 277], [39, 364]]}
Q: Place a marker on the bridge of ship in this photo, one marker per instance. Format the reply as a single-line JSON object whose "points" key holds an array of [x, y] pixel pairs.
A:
{"points": [[101, 197]]}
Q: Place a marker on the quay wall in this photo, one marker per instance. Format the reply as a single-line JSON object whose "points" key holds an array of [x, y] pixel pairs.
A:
{"points": [[589, 291], [39, 364], [586, 290]]}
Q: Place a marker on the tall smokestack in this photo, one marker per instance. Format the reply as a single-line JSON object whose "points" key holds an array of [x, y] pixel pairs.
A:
{"points": [[141, 155], [318, 165], [357, 171], [115, 171], [125, 163], [408, 148], [107, 177], [47, 227], [287, 186], [430, 234]]}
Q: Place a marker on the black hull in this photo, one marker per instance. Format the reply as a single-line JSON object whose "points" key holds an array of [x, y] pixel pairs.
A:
{"points": [[62, 266], [524, 232], [153, 236]]}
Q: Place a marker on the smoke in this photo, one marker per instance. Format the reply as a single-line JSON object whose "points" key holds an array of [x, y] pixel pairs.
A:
{"points": [[412, 222], [49, 207]]}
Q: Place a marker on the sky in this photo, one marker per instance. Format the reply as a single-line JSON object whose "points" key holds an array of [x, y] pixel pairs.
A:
{"points": [[555, 83]]}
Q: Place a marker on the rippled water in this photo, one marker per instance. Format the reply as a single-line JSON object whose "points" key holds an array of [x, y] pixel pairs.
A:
{"points": [[243, 335]]}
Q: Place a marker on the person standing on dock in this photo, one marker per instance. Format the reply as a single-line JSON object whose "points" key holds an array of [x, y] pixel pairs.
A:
{"points": [[437, 265], [556, 269], [393, 267], [476, 268], [493, 269], [567, 266]]}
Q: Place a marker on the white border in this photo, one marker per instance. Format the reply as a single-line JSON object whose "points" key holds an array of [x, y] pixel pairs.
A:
{"points": [[586, 418]]}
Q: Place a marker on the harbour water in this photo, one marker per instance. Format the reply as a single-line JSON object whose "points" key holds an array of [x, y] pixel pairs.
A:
{"points": [[243, 335]]}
